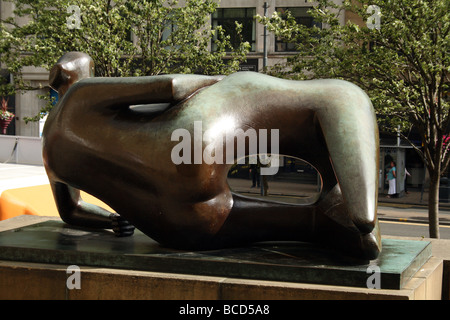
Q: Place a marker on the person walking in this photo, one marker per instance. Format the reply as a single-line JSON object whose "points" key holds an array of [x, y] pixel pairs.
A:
{"points": [[254, 172]]}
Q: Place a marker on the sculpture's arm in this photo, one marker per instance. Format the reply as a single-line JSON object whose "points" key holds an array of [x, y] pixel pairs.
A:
{"points": [[74, 67], [123, 92], [73, 210]]}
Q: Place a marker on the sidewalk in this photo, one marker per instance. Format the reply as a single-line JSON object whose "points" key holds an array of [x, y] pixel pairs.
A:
{"points": [[14, 176], [411, 208], [414, 197]]}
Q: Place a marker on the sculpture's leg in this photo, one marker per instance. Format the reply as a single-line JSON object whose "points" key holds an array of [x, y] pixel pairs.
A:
{"points": [[328, 221], [351, 136], [73, 210]]}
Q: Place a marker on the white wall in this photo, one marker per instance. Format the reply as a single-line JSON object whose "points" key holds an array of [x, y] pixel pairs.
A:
{"points": [[21, 150], [28, 103]]}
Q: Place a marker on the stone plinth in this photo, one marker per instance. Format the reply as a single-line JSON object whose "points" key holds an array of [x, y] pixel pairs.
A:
{"points": [[37, 256]]}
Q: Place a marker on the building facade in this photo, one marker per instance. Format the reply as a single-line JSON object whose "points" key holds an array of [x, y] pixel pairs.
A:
{"points": [[266, 49], [25, 104]]}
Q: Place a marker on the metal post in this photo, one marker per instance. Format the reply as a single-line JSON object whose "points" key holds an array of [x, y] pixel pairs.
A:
{"points": [[261, 183], [265, 39], [400, 159]]}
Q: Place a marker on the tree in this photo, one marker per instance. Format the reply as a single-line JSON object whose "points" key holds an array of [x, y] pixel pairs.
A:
{"points": [[399, 54], [124, 37]]}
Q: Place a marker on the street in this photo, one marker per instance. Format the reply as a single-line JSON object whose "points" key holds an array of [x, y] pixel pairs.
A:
{"points": [[410, 229], [409, 220]]}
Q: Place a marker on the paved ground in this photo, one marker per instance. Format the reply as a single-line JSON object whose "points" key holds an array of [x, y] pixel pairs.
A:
{"points": [[18, 176], [412, 207]]}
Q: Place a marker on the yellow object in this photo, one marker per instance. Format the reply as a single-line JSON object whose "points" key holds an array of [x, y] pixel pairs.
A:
{"points": [[37, 200]]}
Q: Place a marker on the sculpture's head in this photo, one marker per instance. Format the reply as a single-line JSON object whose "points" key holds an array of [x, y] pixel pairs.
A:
{"points": [[70, 68]]}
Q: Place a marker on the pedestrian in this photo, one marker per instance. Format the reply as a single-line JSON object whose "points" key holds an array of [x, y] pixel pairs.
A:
{"points": [[391, 177], [254, 171]]}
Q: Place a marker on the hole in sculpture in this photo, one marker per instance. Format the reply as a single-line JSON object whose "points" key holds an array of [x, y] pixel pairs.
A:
{"points": [[296, 181]]}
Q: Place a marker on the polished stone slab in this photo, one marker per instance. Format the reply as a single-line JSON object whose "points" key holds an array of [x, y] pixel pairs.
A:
{"points": [[55, 242]]}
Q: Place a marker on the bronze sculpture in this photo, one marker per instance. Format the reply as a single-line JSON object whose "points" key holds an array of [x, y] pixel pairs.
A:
{"points": [[93, 141]]}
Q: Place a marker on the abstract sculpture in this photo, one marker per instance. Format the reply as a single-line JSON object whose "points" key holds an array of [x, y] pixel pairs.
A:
{"points": [[94, 141]]}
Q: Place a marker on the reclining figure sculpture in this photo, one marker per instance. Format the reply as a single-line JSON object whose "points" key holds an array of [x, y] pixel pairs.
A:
{"points": [[93, 141]]}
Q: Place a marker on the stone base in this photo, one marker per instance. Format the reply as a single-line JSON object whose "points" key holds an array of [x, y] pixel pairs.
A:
{"points": [[138, 268], [35, 281]]}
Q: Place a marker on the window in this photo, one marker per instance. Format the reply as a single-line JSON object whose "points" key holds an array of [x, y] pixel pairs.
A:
{"points": [[226, 18], [169, 28], [302, 17]]}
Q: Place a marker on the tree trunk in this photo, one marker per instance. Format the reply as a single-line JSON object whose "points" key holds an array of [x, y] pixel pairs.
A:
{"points": [[433, 205]]}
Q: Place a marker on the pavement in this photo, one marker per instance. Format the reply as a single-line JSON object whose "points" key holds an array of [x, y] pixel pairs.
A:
{"points": [[14, 176], [410, 208]]}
